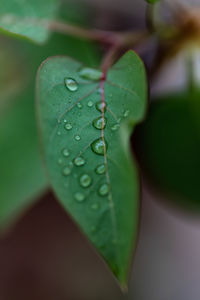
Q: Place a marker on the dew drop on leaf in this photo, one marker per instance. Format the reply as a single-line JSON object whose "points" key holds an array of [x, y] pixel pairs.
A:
{"points": [[66, 171], [79, 197], [68, 126], [59, 133], [95, 206], [66, 152], [99, 123], [79, 161], [79, 105], [101, 106], [126, 113], [60, 161], [71, 84], [101, 169], [115, 127], [104, 189], [85, 180], [90, 74], [77, 137], [90, 104], [99, 146]]}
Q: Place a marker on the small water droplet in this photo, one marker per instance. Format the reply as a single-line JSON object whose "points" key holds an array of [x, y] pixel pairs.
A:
{"points": [[71, 84], [79, 161], [99, 123], [101, 169], [65, 121], [99, 146], [79, 105], [66, 171], [77, 137], [126, 113], [66, 152], [59, 133], [115, 127], [90, 74], [68, 126], [85, 180], [104, 189], [60, 161], [95, 206], [101, 106], [90, 104], [79, 197]]}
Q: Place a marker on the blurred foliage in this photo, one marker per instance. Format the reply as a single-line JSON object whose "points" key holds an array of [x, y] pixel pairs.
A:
{"points": [[169, 147]]}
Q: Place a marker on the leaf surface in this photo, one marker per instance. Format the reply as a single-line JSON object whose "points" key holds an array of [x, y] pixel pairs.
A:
{"points": [[86, 149], [28, 18]]}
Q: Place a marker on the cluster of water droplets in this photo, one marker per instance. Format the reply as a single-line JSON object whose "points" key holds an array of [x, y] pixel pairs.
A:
{"points": [[98, 146]]}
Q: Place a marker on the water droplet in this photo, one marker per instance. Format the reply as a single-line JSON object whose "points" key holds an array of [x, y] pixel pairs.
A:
{"points": [[77, 137], [79, 161], [71, 84], [101, 106], [66, 171], [60, 161], [104, 189], [90, 74], [115, 127], [59, 133], [95, 206], [65, 121], [126, 113], [99, 146], [99, 123], [85, 180], [66, 152], [90, 104], [68, 126], [101, 169], [79, 105], [79, 197]]}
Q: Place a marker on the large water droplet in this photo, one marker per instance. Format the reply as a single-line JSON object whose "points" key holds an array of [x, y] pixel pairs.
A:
{"points": [[90, 74], [101, 106], [79, 161], [71, 84], [104, 189], [79, 197], [99, 146], [77, 137], [85, 180], [65, 152], [99, 123], [101, 169], [66, 171], [68, 126]]}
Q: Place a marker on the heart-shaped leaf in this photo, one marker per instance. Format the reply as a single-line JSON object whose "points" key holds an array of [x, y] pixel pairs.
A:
{"points": [[85, 123], [28, 18]]}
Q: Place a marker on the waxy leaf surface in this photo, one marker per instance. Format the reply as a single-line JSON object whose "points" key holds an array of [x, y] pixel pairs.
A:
{"points": [[85, 125]]}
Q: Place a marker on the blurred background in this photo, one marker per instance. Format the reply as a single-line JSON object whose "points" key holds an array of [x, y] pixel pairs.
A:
{"points": [[43, 255]]}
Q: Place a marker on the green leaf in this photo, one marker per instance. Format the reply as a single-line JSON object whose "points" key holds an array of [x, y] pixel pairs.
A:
{"points": [[21, 173], [98, 188], [152, 1], [22, 178], [28, 18], [169, 147]]}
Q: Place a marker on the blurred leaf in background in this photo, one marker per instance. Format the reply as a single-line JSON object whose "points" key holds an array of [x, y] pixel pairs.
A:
{"points": [[22, 177], [169, 148]]}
